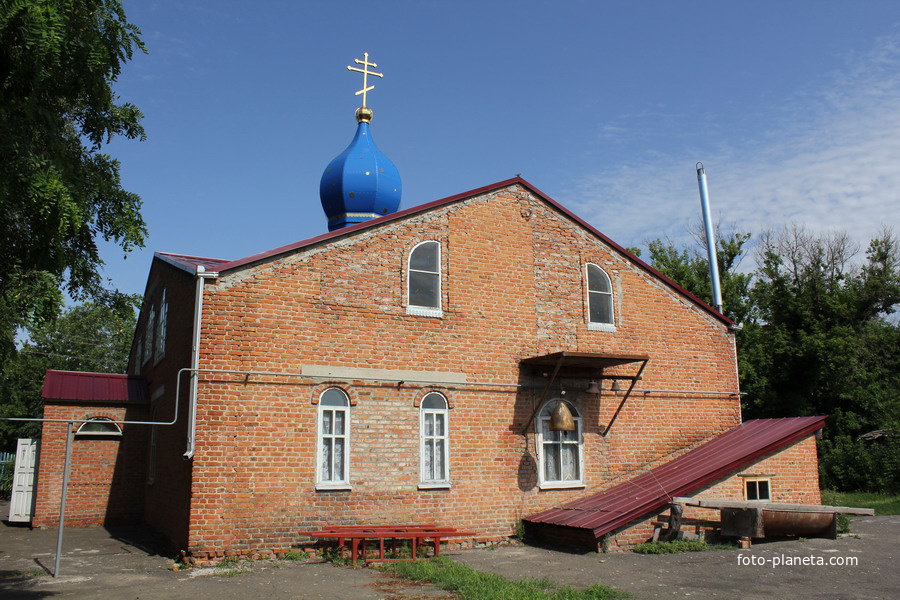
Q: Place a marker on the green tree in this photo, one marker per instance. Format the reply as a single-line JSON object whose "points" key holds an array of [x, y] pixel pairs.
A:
{"points": [[88, 337], [58, 192], [821, 343], [819, 337], [689, 267]]}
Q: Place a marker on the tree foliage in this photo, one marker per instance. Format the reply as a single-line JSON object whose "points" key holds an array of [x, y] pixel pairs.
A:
{"points": [[58, 192], [88, 337], [689, 267], [818, 339]]}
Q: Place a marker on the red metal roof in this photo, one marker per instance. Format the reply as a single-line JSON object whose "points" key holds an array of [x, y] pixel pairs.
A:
{"points": [[94, 387], [189, 263], [608, 510]]}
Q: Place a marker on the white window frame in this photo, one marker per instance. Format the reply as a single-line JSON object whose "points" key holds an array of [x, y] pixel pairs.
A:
{"points": [[425, 481], [425, 311], [544, 417], [599, 325], [149, 331], [161, 323], [116, 433], [343, 482], [755, 481]]}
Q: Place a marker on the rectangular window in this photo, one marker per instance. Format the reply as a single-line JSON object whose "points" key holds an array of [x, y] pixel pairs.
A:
{"points": [[757, 489], [161, 328], [434, 447], [150, 329]]}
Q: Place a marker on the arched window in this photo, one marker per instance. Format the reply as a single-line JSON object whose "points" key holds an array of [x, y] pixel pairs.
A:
{"points": [[424, 280], [559, 452], [435, 441], [600, 299], [99, 426], [333, 455]]}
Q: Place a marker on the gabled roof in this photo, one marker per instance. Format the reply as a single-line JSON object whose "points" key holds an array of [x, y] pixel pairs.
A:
{"points": [[608, 510], [106, 388], [189, 263]]}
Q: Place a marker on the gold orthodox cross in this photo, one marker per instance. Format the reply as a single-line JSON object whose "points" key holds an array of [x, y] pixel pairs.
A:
{"points": [[366, 72]]}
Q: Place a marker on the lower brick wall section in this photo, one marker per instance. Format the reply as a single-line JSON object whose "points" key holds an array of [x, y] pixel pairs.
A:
{"points": [[254, 471], [106, 474]]}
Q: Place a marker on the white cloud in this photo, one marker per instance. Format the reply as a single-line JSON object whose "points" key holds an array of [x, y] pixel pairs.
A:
{"points": [[829, 160]]}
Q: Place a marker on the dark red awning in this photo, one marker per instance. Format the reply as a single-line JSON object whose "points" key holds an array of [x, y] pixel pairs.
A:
{"points": [[107, 388]]}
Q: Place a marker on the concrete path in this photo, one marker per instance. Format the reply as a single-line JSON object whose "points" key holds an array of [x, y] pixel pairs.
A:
{"points": [[122, 564], [874, 545]]}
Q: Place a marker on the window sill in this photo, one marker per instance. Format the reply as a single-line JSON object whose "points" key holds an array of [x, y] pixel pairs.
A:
{"points": [[601, 327], [423, 311], [436, 485], [561, 485], [333, 487]]}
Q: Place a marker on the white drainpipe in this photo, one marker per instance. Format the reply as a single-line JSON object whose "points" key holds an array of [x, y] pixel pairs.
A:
{"points": [[202, 276]]}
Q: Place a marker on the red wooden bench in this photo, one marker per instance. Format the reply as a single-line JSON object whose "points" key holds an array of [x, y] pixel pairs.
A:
{"points": [[359, 534]]}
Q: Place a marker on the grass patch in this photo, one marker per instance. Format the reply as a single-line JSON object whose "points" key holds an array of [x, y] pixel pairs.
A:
{"points": [[676, 546], [475, 585], [231, 567], [295, 555], [884, 504], [36, 572]]}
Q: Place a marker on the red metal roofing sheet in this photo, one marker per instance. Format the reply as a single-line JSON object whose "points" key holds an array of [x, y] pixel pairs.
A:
{"points": [[94, 387], [190, 263], [608, 510]]}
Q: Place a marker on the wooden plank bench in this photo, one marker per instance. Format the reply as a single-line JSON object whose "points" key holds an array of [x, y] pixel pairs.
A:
{"points": [[360, 534], [747, 519]]}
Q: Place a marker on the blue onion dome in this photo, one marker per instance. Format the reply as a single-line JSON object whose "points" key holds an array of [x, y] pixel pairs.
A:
{"points": [[360, 183]]}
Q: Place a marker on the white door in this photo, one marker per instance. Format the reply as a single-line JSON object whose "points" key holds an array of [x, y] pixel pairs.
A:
{"points": [[21, 505]]}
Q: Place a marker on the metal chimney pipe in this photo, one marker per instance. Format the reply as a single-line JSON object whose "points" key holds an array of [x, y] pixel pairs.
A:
{"points": [[710, 239]]}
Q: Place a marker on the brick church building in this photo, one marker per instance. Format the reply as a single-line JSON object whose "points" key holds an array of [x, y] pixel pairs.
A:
{"points": [[406, 367]]}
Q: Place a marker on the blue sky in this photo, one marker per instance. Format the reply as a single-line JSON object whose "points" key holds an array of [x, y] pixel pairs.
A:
{"points": [[793, 107]]}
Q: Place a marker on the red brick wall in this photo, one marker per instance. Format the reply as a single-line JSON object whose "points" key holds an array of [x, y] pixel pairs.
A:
{"points": [[106, 473], [168, 496], [513, 287]]}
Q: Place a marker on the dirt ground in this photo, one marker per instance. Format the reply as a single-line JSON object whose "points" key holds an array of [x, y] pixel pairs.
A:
{"points": [[97, 563]]}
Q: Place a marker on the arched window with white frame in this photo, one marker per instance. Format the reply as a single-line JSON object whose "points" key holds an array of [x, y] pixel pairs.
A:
{"points": [[600, 299], [333, 448], [423, 296], [435, 441], [99, 426], [560, 453]]}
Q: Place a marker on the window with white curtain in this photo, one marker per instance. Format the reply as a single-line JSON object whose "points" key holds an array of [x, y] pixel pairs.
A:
{"points": [[560, 454], [333, 454], [435, 441]]}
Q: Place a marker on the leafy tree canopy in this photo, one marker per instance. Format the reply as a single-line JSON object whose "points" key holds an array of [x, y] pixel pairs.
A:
{"points": [[818, 339], [689, 267], [58, 191], [89, 337]]}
